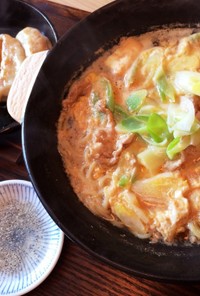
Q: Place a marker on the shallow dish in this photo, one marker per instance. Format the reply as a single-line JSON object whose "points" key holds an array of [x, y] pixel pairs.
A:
{"points": [[14, 16], [101, 29], [30, 241]]}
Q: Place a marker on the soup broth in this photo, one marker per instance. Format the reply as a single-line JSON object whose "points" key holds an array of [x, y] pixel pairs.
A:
{"points": [[129, 135]]}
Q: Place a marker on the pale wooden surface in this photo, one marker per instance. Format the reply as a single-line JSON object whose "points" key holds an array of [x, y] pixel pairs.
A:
{"points": [[87, 5]]}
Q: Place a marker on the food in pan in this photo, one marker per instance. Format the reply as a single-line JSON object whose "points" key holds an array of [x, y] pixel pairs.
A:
{"points": [[129, 136], [14, 50]]}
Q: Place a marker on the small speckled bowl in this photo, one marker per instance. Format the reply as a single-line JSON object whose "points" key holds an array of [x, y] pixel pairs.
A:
{"points": [[30, 242]]}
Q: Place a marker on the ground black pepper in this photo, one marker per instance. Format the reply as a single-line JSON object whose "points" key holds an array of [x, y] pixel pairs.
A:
{"points": [[19, 234]]}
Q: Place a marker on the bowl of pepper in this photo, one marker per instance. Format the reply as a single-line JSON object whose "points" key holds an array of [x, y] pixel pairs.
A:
{"points": [[30, 242]]}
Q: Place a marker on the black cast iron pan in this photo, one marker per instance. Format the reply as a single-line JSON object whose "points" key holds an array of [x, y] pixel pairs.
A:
{"points": [[73, 53]]}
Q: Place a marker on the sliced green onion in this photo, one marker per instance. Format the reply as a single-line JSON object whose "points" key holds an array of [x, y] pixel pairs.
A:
{"points": [[109, 96], [133, 124], [135, 99], [150, 141], [142, 117], [164, 87], [176, 146], [119, 113], [124, 180], [157, 128]]}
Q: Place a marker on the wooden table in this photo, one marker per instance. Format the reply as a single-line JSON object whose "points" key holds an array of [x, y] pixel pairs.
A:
{"points": [[77, 272]]}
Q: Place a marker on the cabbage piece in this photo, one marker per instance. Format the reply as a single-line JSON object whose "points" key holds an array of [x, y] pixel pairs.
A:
{"points": [[123, 55], [158, 190], [130, 75], [171, 221], [176, 146], [135, 99], [144, 67], [131, 214], [186, 57], [194, 228], [188, 41], [152, 158], [181, 119], [194, 37], [149, 109], [188, 82]]}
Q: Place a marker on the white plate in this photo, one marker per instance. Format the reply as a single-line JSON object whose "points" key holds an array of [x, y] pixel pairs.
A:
{"points": [[30, 241]]}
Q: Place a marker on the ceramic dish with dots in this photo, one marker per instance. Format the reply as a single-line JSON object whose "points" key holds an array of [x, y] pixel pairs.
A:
{"points": [[30, 242]]}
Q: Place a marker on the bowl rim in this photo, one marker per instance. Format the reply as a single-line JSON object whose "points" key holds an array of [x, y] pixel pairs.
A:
{"points": [[17, 183], [182, 255]]}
